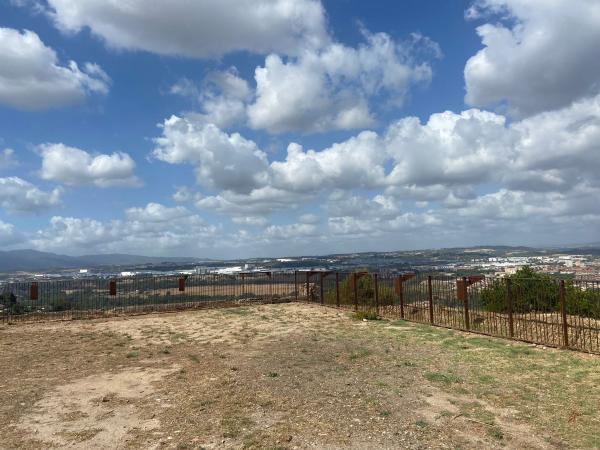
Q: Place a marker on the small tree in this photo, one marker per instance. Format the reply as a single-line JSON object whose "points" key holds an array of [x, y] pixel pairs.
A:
{"points": [[534, 291]]}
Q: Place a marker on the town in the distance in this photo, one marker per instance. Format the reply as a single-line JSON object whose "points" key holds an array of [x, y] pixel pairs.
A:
{"points": [[580, 263]]}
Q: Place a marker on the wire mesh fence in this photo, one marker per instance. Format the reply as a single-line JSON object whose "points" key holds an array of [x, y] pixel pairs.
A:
{"points": [[86, 298], [540, 310], [544, 311]]}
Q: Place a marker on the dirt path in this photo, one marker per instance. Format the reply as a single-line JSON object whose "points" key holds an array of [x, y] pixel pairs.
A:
{"points": [[287, 376]]}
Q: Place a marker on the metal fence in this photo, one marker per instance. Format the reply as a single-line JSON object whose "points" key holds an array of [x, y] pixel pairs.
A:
{"points": [[94, 297], [549, 311], [544, 311]]}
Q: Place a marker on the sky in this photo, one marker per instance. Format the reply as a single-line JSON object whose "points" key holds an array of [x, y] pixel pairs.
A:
{"points": [[256, 128]]}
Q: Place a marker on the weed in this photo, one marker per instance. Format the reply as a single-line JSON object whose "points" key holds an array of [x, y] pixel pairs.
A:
{"points": [[441, 377], [365, 315], [496, 433], [360, 353], [486, 379], [233, 425], [132, 355]]}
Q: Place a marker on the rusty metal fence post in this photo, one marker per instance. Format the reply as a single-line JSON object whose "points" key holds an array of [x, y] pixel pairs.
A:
{"points": [[355, 286], [509, 305], [307, 286], [337, 289], [401, 294], [563, 313], [376, 286], [430, 298], [295, 283], [321, 289], [466, 303]]}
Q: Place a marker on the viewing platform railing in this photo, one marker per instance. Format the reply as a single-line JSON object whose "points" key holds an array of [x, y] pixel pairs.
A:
{"points": [[553, 312]]}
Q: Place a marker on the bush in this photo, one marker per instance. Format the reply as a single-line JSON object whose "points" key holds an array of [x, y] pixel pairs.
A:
{"points": [[534, 291], [61, 304], [365, 291]]}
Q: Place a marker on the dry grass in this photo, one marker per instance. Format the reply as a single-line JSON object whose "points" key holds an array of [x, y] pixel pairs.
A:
{"points": [[287, 376]]}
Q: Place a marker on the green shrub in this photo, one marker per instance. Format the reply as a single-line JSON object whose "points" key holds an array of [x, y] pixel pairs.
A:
{"points": [[534, 291], [365, 290]]}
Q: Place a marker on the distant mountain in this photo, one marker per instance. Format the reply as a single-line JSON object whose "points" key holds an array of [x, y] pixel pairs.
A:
{"points": [[33, 261]]}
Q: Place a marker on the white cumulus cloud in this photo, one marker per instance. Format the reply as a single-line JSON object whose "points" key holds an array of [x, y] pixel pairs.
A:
{"points": [[200, 28], [18, 195], [330, 88], [224, 161], [154, 229], [31, 77], [538, 54], [75, 167]]}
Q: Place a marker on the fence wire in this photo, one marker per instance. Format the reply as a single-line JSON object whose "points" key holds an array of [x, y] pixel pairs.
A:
{"points": [[549, 312]]}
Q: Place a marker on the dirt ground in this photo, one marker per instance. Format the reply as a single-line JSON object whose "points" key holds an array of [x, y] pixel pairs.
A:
{"points": [[287, 376]]}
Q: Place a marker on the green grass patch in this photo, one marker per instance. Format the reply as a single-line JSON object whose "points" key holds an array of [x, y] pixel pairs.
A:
{"points": [[421, 423], [359, 353], [441, 377]]}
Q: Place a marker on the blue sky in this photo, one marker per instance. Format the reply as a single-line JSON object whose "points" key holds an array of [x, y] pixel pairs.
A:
{"points": [[273, 128]]}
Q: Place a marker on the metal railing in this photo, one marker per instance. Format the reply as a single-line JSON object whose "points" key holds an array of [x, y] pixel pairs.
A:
{"points": [[550, 312], [544, 311], [95, 297]]}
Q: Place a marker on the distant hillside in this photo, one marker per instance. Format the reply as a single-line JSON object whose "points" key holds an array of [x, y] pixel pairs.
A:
{"points": [[32, 260]]}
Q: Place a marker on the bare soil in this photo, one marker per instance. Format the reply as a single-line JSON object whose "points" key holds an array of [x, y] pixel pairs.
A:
{"points": [[287, 376]]}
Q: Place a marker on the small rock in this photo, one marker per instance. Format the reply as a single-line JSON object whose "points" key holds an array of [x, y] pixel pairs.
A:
{"points": [[105, 399]]}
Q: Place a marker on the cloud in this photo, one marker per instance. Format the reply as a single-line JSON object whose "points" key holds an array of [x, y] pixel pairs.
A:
{"points": [[291, 231], [309, 218], [31, 78], [222, 98], [75, 167], [444, 161], [253, 221], [155, 212], [558, 150], [330, 88], [18, 195], [356, 162], [449, 149], [8, 159], [224, 161], [537, 56], [202, 28], [9, 236], [154, 230], [343, 204], [265, 200]]}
